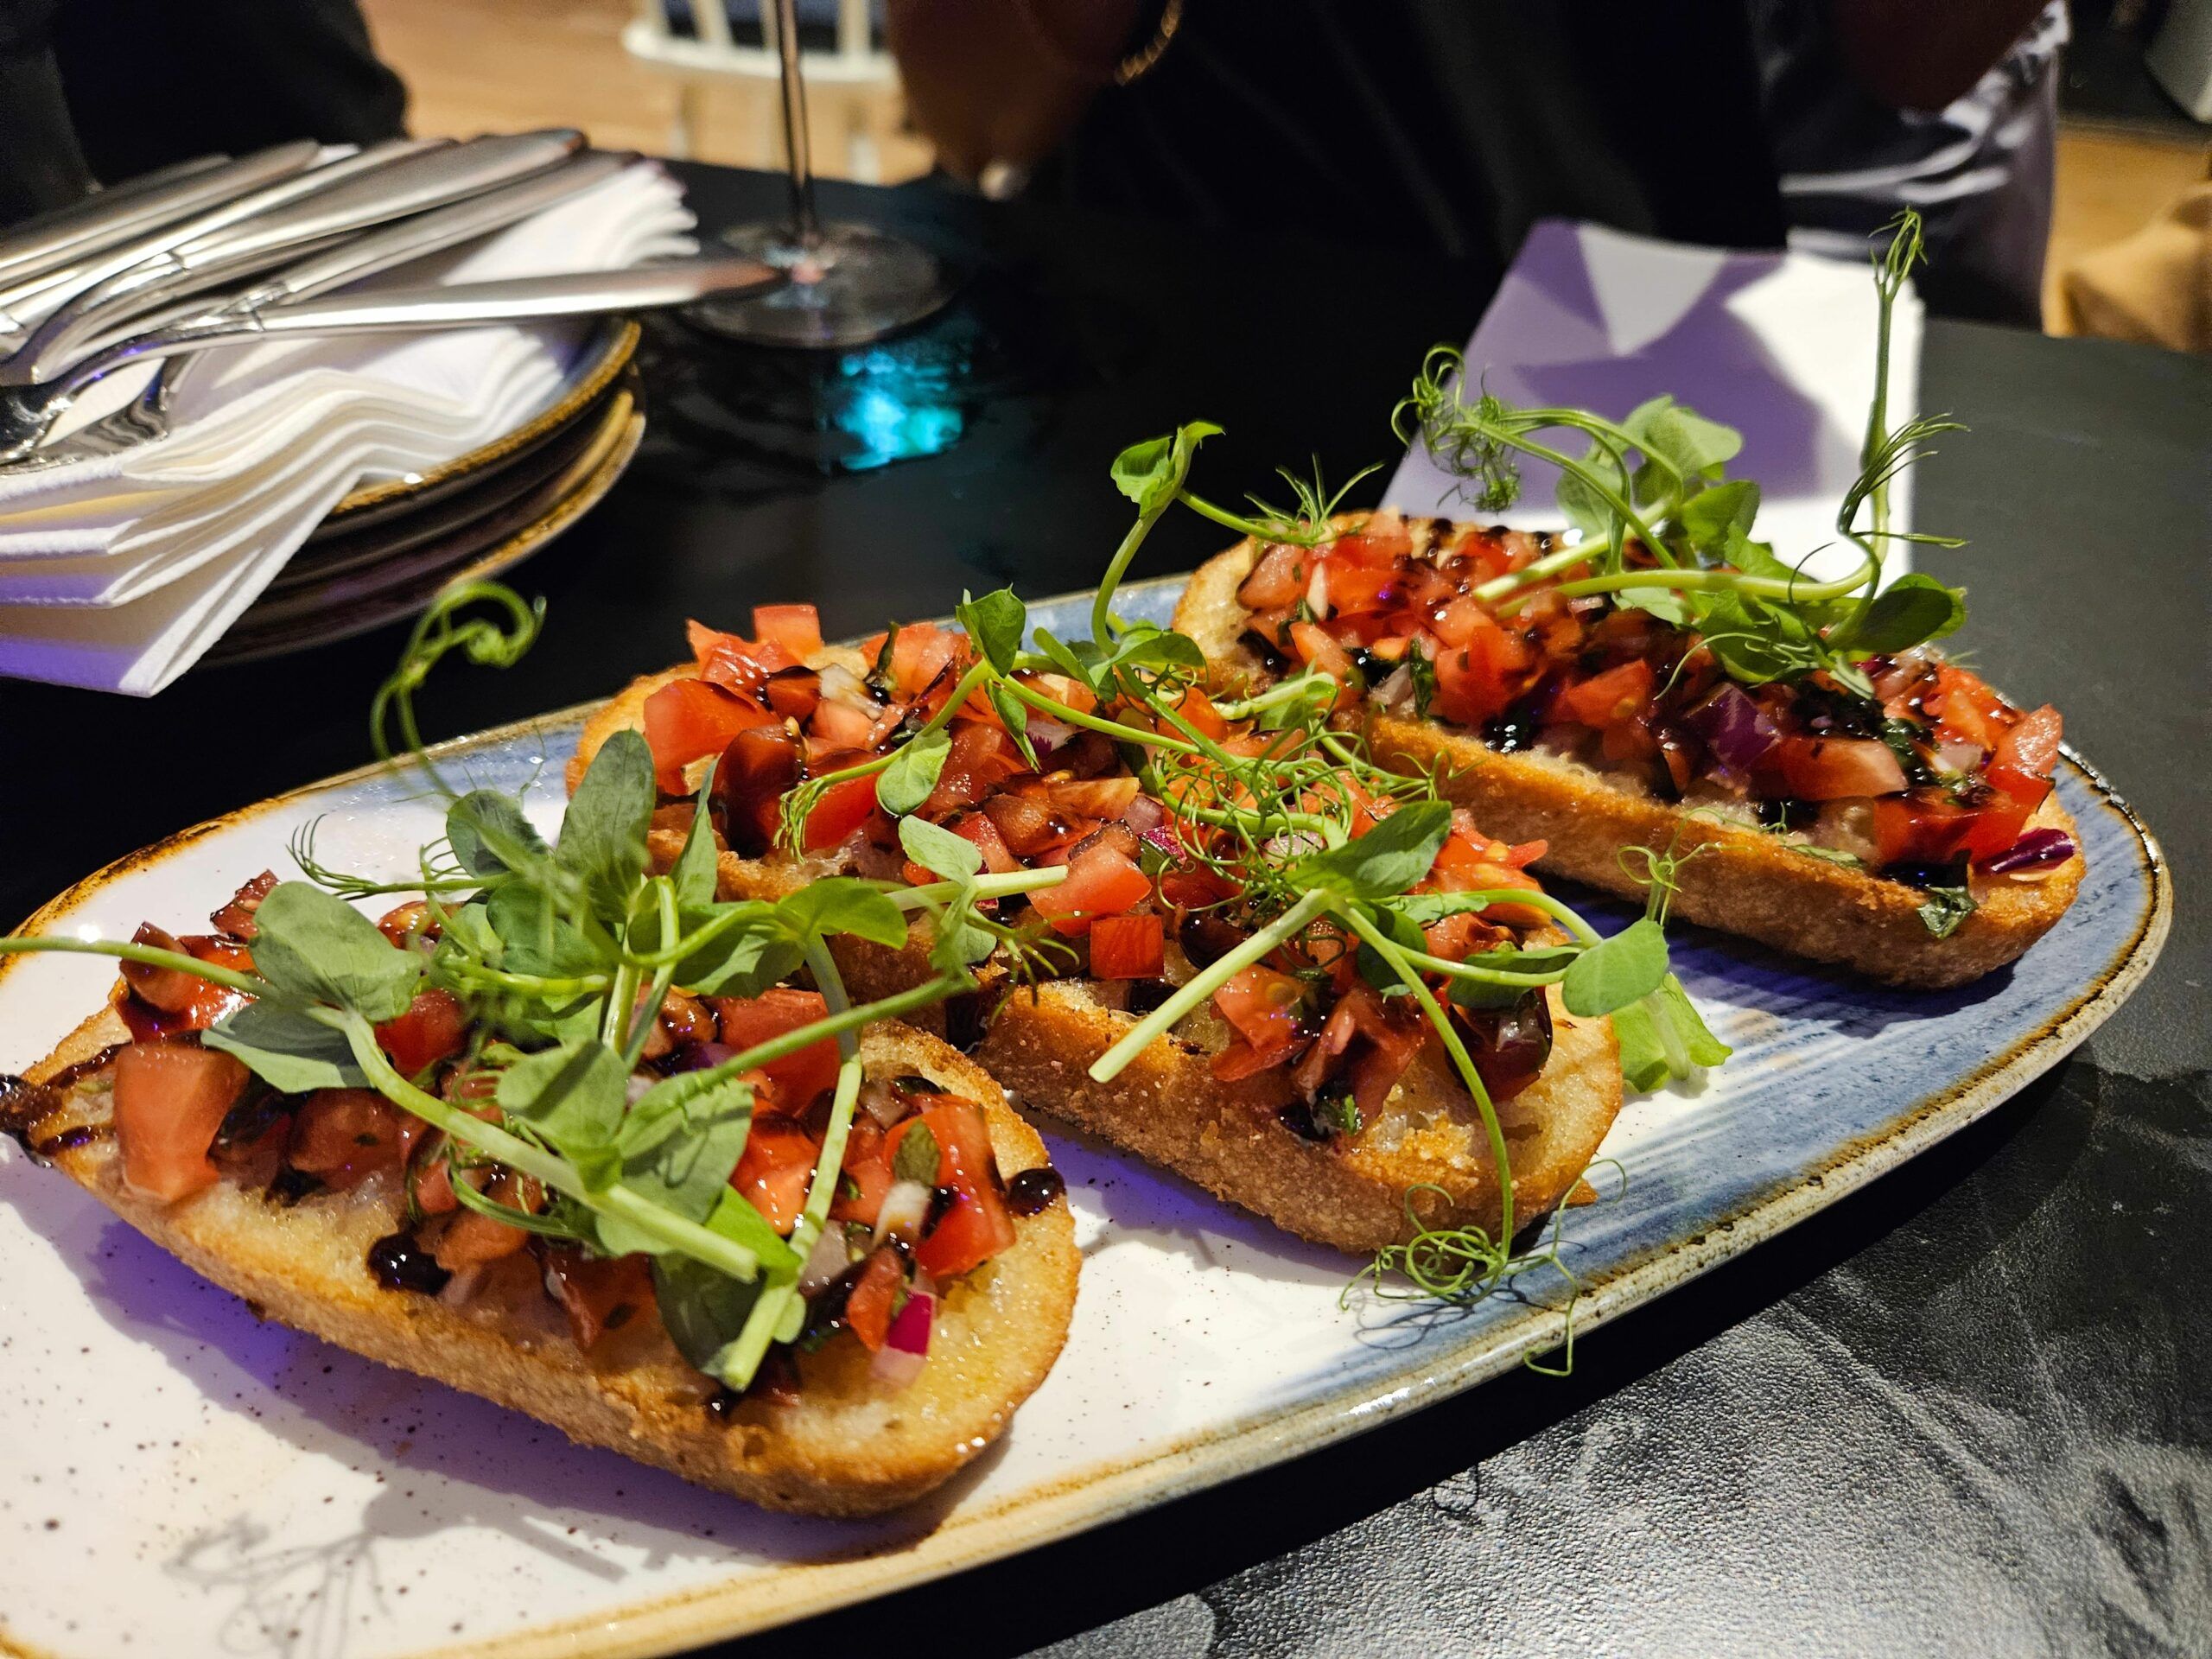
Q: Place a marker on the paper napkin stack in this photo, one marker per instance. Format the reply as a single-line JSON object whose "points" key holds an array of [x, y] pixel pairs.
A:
{"points": [[118, 572]]}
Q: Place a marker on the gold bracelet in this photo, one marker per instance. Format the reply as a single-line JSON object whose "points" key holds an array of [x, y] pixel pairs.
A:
{"points": [[1134, 67]]}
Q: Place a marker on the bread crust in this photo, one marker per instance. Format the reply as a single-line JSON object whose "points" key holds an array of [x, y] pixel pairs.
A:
{"points": [[1740, 881], [1227, 1137], [847, 1447]]}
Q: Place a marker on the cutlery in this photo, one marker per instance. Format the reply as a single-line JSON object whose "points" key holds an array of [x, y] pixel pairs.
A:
{"points": [[28, 412], [28, 296], [375, 185], [146, 417], [38, 249]]}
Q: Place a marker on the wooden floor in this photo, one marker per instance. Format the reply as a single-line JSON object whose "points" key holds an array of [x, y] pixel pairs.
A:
{"points": [[480, 65]]}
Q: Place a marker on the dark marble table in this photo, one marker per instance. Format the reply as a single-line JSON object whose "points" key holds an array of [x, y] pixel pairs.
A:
{"points": [[1965, 1410]]}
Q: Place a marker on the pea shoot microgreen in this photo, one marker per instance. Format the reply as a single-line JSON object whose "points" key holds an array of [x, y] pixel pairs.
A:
{"points": [[1654, 483], [562, 950]]}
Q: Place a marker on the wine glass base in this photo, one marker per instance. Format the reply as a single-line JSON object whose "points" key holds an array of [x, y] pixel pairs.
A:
{"points": [[854, 284]]}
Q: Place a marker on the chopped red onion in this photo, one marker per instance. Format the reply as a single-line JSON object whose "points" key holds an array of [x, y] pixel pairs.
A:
{"points": [[702, 1056], [1045, 733], [1397, 686], [906, 1344], [2038, 849], [1144, 814], [906, 1206], [1161, 839], [1732, 728], [882, 1102]]}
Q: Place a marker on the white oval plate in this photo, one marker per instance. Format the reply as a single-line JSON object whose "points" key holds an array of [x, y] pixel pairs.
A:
{"points": [[177, 1476]]}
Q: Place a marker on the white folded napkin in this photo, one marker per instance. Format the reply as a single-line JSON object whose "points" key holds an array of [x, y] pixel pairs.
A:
{"points": [[1779, 345], [118, 572]]}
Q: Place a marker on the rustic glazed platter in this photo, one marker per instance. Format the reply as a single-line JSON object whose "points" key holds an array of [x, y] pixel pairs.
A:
{"points": [[179, 1477]]}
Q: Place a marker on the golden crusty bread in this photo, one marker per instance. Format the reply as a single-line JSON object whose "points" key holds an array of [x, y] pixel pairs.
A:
{"points": [[848, 1446], [1744, 881], [1168, 1106]]}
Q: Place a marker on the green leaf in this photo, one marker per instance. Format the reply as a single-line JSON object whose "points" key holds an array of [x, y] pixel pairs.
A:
{"points": [[573, 1097], [1015, 714], [1422, 672], [1150, 473], [1911, 610], [697, 873], [917, 1157], [1616, 972], [995, 622], [1944, 909], [1077, 661], [705, 1312], [914, 772], [1583, 508], [1713, 516], [678, 1144], [533, 939], [1385, 861], [319, 949], [1663, 1035], [285, 1049], [1697, 447], [746, 960], [490, 836], [1146, 644], [603, 838], [843, 904], [936, 848]]}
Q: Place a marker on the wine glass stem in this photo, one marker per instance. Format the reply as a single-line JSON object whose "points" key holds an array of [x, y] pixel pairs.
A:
{"points": [[806, 229]]}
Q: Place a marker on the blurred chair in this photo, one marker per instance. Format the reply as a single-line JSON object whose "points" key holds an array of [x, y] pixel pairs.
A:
{"points": [[852, 84]]}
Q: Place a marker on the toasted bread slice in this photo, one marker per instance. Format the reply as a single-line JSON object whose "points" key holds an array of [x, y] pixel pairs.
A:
{"points": [[1350, 1192], [848, 1446], [1744, 882]]}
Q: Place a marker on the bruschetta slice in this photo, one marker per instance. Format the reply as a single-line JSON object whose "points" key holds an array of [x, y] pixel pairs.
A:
{"points": [[1912, 834], [1297, 1090], [929, 1307]]}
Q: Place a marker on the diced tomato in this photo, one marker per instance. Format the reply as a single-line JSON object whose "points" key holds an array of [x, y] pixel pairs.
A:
{"points": [[169, 1100], [760, 766], [1522, 854], [842, 809], [919, 655], [794, 693], [434, 1026], [2026, 755], [408, 925], [748, 1021], [1100, 882], [345, 1135], [1998, 825], [1241, 1060], [470, 1239], [1316, 649], [1263, 1006], [1966, 708], [1361, 590], [236, 917], [776, 1170], [1198, 709], [981, 758], [1909, 831], [865, 1175], [867, 1308], [1603, 700], [1478, 680], [1127, 947], [837, 726], [796, 628], [687, 720], [183, 1001], [1094, 797], [978, 1225], [978, 828], [1277, 580], [1390, 1042], [1836, 768], [1028, 823], [1460, 620], [598, 1294]]}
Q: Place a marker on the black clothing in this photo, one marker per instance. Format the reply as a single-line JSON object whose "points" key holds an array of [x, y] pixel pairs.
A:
{"points": [[1439, 127]]}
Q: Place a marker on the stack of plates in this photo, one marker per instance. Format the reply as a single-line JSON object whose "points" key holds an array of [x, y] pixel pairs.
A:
{"points": [[390, 546]]}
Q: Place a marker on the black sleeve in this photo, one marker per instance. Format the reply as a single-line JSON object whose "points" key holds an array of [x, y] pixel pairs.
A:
{"points": [[40, 165]]}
